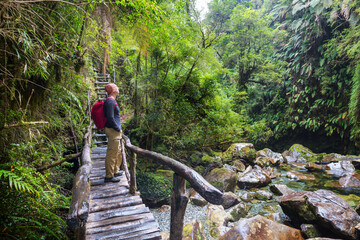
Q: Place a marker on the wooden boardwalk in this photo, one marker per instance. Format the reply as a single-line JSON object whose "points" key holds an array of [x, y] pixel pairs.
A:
{"points": [[114, 212]]}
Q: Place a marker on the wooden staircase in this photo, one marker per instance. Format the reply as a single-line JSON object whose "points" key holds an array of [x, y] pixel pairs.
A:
{"points": [[113, 212], [101, 81]]}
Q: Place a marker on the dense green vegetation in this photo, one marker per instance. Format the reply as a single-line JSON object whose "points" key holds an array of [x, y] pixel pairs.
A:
{"points": [[256, 71]]}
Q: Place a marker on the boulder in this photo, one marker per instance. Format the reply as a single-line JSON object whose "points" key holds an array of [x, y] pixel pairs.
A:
{"points": [[280, 189], [261, 228], [272, 172], [164, 208], [263, 195], [239, 165], [232, 168], [240, 150], [324, 209], [238, 211], [350, 180], [255, 177], [299, 176], [230, 199], [279, 217], [155, 188], [193, 231], [331, 157], [165, 235], [339, 169], [210, 163], [223, 179], [298, 153], [216, 216], [298, 165], [309, 231], [266, 157], [246, 197], [313, 167], [196, 198], [196, 158]]}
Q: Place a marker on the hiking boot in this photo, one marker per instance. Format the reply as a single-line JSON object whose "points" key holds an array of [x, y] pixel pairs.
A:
{"points": [[119, 173], [113, 179]]}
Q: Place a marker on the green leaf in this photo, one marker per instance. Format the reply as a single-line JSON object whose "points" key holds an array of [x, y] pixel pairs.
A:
{"points": [[314, 3]]}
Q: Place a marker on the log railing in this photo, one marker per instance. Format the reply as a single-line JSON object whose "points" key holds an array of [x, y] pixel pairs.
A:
{"points": [[79, 209], [181, 173]]}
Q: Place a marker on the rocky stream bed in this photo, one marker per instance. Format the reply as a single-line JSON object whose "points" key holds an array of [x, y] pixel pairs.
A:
{"points": [[292, 195]]}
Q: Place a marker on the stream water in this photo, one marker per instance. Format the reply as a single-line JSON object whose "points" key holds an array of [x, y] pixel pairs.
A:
{"points": [[265, 208]]}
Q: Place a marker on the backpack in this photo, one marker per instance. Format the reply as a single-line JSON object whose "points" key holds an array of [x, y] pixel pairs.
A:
{"points": [[98, 115]]}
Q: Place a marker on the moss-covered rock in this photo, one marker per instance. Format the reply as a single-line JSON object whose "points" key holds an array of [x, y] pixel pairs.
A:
{"points": [[196, 198], [216, 216], [196, 158], [266, 157], [263, 195], [206, 160], [200, 169], [155, 189], [309, 231], [193, 230], [223, 179], [240, 166], [300, 154], [244, 151], [239, 211]]}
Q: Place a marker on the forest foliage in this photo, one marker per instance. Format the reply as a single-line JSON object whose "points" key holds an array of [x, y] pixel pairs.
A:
{"points": [[250, 71]]}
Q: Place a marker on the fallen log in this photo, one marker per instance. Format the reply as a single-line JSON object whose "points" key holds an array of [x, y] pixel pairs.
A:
{"points": [[54, 164]]}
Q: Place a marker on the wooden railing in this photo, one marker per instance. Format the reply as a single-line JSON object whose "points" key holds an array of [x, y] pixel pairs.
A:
{"points": [[181, 173], [79, 209]]}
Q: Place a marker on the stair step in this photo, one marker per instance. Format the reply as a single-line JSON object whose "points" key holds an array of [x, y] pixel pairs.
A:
{"points": [[102, 93], [102, 83], [101, 75], [100, 142], [99, 135], [100, 88]]}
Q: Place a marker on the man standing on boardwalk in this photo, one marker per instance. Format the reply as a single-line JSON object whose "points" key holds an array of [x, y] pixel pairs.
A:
{"points": [[113, 132]]}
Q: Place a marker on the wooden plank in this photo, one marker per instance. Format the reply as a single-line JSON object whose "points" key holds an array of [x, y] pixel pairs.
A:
{"points": [[118, 220], [102, 182], [101, 195], [126, 197], [110, 189], [115, 205], [148, 234], [122, 226], [126, 211], [131, 229], [109, 186], [145, 236]]}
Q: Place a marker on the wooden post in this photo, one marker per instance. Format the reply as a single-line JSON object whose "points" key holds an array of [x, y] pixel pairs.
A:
{"points": [[124, 163], [178, 207], [133, 173]]}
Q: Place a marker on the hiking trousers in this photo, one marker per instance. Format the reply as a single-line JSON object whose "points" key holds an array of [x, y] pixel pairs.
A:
{"points": [[113, 158]]}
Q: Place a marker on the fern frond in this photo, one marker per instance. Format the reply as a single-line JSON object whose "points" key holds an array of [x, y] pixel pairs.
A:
{"points": [[354, 104], [17, 182], [73, 97]]}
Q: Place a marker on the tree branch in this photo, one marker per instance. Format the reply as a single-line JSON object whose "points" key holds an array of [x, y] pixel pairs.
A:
{"points": [[54, 164]]}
